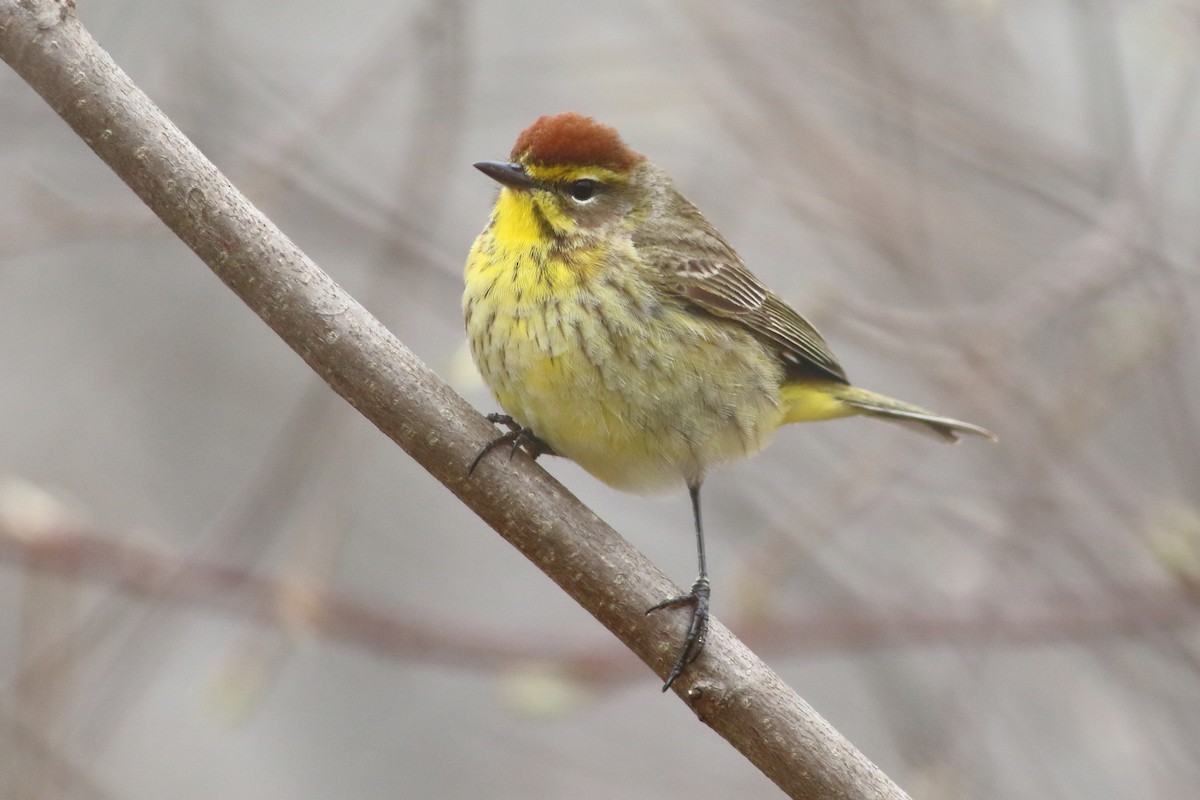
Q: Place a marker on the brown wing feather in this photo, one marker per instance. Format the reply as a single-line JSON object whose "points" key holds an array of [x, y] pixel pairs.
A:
{"points": [[693, 262]]}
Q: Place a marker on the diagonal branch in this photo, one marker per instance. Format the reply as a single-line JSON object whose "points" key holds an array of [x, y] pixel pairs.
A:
{"points": [[729, 688]]}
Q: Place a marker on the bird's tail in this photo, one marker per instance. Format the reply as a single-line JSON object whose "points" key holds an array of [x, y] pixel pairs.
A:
{"points": [[878, 405], [827, 399]]}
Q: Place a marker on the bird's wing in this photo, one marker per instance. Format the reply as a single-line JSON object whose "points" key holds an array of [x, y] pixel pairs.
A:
{"points": [[689, 259], [726, 289]]}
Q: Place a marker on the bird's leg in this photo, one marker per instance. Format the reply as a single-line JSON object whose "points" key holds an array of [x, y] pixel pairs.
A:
{"points": [[697, 598], [517, 437]]}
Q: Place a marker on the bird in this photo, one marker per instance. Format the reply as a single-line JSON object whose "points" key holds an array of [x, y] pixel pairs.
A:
{"points": [[617, 328]]}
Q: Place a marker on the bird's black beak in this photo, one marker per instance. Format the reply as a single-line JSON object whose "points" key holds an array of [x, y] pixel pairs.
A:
{"points": [[513, 176]]}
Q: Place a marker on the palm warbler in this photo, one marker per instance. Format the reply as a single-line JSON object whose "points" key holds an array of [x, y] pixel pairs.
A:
{"points": [[618, 329]]}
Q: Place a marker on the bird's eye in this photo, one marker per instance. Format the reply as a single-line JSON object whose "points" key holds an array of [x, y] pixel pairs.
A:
{"points": [[583, 189]]}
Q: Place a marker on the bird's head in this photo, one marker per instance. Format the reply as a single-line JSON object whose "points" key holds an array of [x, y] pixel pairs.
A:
{"points": [[568, 175]]}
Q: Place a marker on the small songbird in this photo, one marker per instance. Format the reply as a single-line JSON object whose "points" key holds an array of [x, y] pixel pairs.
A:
{"points": [[618, 329]]}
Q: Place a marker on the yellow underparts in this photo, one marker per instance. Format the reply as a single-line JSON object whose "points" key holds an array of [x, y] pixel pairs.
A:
{"points": [[636, 388], [578, 346], [812, 401]]}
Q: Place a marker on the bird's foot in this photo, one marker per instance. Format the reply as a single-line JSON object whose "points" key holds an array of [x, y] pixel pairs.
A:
{"points": [[697, 632], [518, 437]]}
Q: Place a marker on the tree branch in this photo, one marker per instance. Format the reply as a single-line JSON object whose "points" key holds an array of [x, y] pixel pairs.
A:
{"points": [[728, 688]]}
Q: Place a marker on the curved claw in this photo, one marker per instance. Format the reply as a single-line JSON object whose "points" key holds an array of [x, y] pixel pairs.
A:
{"points": [[517, 436], [697, 632]]}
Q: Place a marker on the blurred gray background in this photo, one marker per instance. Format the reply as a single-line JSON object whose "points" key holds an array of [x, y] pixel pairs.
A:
{"points": [[218, 581]]}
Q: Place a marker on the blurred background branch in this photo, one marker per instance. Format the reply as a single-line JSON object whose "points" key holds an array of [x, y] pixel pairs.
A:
{"points": [[302, 608]]}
